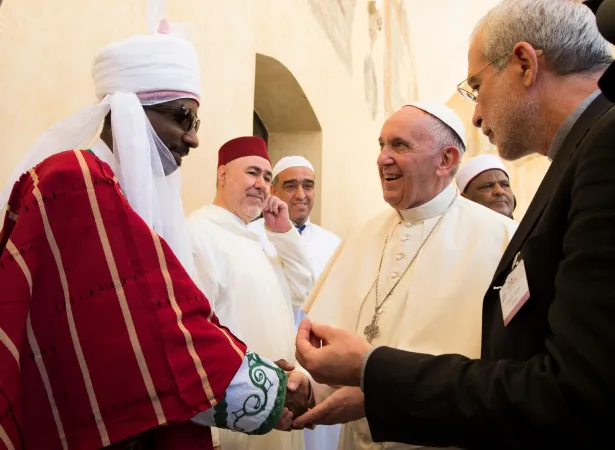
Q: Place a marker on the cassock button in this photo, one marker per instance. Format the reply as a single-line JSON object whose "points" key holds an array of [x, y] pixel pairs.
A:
{"points": [[405, 238], [408, 224], [400, 257], [394, 275]]}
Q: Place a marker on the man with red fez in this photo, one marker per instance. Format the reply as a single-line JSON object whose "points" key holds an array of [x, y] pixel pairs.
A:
{"points": [[105, 340], [249, 290]]}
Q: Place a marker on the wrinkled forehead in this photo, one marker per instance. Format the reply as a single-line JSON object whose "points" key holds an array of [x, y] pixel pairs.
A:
{"points": [[491, 174], [298, 173], [246, 162]]}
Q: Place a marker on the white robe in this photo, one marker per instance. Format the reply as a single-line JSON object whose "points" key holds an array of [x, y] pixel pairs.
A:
{"points": [[320, 245], [437, 306], [250, 292]]}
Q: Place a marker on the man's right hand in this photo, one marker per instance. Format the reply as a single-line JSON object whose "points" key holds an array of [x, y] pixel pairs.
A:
{"points": [[343, 406], [332, 356], [299, 397]]}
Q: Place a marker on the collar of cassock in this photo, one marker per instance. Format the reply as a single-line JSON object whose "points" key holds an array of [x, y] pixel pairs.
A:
{"points": [[433, 208]]}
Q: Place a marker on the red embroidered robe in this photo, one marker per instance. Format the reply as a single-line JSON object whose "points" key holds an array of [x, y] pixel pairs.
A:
{"points": [[103, 335]]}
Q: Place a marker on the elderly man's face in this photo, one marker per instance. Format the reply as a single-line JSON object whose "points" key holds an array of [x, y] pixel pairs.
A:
{"points": [[244, 184], [492, 189], [171, 125], [505, 112], [410, 165], [295, 186]]}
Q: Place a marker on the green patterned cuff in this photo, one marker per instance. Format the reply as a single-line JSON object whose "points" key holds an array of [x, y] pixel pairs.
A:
{"points": [[278, 406], [254, 401]]}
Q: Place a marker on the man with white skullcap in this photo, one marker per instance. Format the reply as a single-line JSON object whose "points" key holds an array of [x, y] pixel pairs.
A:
{"points": [[249, 290], [412, 278], [104, 337], [485, 180], [294, 183]]}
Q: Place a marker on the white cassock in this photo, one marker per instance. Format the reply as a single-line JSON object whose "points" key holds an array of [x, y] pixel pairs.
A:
{"points": [[437, 306], [251, 294], [320, 245]]}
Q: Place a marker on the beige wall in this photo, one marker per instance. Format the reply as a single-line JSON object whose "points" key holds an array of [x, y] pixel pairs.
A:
{"points": [[349, 78]]}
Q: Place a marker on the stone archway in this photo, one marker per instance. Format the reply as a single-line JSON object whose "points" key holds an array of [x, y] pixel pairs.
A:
{"points": [[291, 124]]}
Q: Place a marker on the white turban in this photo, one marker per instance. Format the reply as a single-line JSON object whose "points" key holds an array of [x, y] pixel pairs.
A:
{"points": [[291, 161], [475, 166], [147, 63], [159, 67]]}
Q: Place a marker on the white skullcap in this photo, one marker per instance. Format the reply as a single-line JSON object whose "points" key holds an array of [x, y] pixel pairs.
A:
{"points": [[475, 166], [147, 63], [445, 114], [291, 161]]}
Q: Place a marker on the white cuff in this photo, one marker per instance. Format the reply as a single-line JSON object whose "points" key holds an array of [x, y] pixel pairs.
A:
{"points": [[254, 400]]}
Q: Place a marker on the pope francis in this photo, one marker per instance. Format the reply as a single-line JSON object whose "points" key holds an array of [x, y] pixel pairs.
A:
{"points": [[414, 278]]}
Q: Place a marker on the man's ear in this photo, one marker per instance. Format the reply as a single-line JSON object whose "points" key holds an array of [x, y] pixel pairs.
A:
{"points": [[525, 63], [222, 175], [451, 156]]}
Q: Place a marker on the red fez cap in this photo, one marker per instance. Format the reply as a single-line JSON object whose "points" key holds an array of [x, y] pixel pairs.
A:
{"points": [[240, 147]]}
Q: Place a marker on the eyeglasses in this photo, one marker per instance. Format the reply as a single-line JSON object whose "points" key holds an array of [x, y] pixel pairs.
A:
{"points": [[184, 116], [472, 94]]}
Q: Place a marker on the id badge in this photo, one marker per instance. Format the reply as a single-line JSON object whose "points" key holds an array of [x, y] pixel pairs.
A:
{"points": [[514, 293]]}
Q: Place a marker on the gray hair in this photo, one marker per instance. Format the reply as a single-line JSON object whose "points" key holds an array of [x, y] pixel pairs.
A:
{"points": [[444, 136], [564, 29]]}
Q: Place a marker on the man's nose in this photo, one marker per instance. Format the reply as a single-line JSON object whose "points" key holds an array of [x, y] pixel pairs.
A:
{"points": [[261, 183], [497, 189], [191, 139], [477, 119], [300, 193], [384, 157]]}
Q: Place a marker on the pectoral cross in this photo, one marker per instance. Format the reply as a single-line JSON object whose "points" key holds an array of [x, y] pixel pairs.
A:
{"points": [[372, 330]]}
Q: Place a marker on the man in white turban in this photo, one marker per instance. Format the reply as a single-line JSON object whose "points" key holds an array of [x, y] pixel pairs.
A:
{"points": [[412, 278], [485, 180], [104, 337]]}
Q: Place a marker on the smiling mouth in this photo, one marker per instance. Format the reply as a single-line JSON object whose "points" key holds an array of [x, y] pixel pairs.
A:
{"points": [[391, 177]]}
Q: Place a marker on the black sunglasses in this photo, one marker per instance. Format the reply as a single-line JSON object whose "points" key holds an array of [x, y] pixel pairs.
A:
{"points": [[184, 116]]}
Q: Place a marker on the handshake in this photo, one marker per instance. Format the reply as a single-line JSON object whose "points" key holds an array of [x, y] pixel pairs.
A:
{"points": [[299, 396], [334, 357]]}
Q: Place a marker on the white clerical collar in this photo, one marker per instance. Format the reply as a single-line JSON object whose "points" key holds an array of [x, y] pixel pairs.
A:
{"points": [[433, 208]]}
